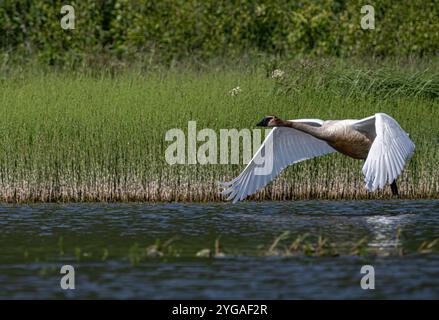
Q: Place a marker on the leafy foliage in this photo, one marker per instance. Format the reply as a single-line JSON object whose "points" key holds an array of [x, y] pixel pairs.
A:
{"points": [[167, 30]]}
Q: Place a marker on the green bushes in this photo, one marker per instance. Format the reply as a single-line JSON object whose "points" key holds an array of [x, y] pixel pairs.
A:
{"points": [[164, 30]]}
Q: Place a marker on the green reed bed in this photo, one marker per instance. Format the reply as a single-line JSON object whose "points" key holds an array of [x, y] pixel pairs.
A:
{"points": [[98, 137]]}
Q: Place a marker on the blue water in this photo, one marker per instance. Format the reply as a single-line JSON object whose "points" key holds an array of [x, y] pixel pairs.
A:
{"points": [[100, 241]]}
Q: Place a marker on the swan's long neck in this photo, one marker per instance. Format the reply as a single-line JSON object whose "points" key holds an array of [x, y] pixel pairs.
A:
{"points": [[316, 132]]}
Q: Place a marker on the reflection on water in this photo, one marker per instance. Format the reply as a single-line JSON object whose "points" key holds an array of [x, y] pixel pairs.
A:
{"points": [[35, 240], [386, 230]]}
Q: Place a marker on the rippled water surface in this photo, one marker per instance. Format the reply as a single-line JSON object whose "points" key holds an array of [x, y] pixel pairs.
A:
{"points": [[106, 244]]}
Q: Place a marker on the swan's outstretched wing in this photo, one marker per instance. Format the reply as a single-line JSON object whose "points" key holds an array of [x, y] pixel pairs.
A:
{"points": [[389, 151], [282, 147]]}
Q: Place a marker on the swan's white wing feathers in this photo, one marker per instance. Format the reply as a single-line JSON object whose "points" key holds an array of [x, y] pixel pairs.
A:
{"points": [[288, 146], [390, 150]]}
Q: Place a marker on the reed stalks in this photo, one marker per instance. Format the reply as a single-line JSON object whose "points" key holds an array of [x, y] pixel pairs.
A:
{"points": [[100, 137]]}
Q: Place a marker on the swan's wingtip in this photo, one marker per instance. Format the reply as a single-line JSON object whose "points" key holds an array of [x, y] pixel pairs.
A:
{"points": [[223, 184]]}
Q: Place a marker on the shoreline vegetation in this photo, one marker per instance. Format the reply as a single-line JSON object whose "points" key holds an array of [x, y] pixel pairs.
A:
{"points": [[283, 246], [100, 136], [122, 31]]}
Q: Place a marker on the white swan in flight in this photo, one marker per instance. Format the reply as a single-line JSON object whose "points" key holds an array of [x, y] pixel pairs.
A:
{"points": [[378, 139]]}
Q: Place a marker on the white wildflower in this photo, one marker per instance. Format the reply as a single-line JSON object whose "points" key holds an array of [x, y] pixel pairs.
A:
{"points": [[277, 73], [235, 91]]}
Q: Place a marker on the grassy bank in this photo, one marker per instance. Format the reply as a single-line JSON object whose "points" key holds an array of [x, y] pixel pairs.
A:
{"points": [[100, 137]]}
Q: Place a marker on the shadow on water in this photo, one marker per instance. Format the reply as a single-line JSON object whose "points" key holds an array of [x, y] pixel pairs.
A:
{"points": [[99, 240]]}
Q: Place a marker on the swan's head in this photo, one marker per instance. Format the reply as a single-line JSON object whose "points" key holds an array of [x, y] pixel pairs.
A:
{"points": [[269, 121]]}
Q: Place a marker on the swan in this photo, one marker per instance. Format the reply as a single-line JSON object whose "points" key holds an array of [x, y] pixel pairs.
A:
{"points": [[378, 139]]}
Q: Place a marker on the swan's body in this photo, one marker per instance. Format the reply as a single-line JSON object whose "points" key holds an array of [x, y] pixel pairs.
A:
{"points": [[345, 139], [377, 139]]}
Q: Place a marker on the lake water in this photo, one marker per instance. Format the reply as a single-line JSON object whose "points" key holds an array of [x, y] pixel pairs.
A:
{"points": [[106, 244]]}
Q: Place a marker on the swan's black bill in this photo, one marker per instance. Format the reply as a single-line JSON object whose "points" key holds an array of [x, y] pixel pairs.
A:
{"points": [[264, 122]]}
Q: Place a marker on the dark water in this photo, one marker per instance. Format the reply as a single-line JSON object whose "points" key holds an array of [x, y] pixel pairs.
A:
{"points": [[105, 243]]}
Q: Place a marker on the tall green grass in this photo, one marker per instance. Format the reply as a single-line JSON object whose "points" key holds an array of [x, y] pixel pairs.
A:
{"points": [[100, 137]]}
